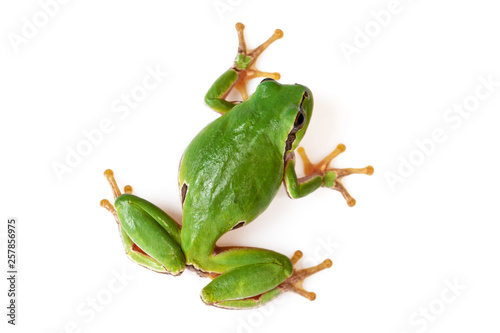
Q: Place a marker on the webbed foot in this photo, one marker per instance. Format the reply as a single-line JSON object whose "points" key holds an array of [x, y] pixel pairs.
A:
{"points": [[244, 63], [333, 176], [294, 282]]}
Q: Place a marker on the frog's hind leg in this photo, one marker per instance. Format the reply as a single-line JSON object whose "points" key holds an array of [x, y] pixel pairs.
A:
{"points": [[151, 238], [257, 277], [131, 249]]}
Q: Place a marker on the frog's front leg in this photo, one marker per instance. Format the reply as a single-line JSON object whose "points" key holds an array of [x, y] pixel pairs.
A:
{"points": [[151, 238], [250, 277], [239, 74], [319, 175]]}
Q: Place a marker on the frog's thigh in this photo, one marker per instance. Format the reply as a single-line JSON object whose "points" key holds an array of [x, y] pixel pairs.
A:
{"points": [[154, 232], [247, 272], [138, 256]]}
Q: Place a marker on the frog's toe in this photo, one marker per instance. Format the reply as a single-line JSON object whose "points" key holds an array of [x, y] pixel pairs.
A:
{"points": [[319, 168], [294, 282], [252, 73], [244, 63], [254, 54], [114, 186], [333, 176], [116, 193]]}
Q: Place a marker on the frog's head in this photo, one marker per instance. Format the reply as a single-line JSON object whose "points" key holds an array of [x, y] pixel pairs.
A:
{"points": [[291, 106]]}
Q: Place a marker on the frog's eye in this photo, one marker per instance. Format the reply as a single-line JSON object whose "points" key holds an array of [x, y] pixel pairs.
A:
{"points": [[300, 120], [268, 79]]}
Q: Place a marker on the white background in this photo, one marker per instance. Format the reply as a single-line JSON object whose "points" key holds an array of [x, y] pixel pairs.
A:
{"points": [[393, 252]]}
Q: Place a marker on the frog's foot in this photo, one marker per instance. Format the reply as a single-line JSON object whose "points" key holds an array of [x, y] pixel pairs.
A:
{"points": [[116, 193], [335, 175], [244, 63], [294, 282]]}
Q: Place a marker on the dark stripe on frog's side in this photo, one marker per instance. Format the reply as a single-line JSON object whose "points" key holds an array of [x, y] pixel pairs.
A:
{"points": [[297, 126], [183, 193], [238, 225], [289, 142]]}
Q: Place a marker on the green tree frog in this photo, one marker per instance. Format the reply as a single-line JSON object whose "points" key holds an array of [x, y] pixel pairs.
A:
{"points": [[228, 175]]}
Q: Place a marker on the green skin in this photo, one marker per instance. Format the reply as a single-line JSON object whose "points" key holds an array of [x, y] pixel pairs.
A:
{"points": [[229, 174]]}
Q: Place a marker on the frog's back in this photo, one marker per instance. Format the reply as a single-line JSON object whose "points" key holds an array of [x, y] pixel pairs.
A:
{"points": [[229, 174]]}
